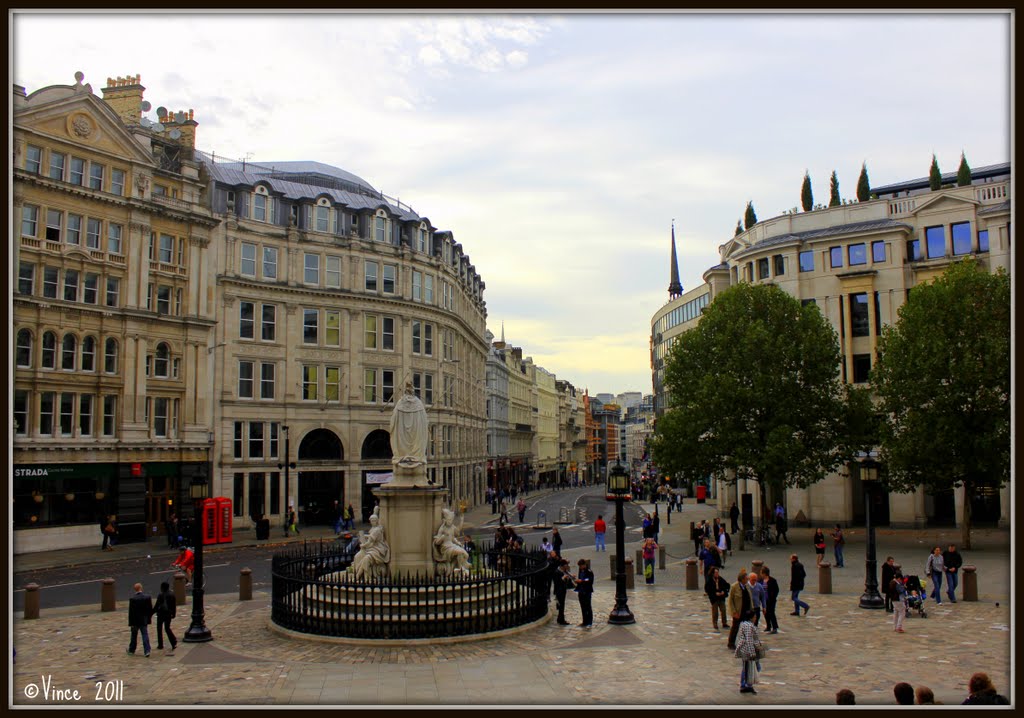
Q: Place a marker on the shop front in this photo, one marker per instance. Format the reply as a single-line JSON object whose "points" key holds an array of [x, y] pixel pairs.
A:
{"points": [[61, 505]]}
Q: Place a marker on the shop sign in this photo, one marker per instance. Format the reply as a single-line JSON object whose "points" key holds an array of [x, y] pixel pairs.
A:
{"points": [[379, 477], [62, 471]]}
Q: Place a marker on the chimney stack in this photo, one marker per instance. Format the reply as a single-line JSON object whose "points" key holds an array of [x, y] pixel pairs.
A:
{"points": [[124, 95]]}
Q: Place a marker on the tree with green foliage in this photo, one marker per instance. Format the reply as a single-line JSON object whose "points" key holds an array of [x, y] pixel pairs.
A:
{"points": [[806, 196], [963, 172], [739, 228], [749, 218], [755, 389], [934, 176], [833, 191], [863, 185], [943, 380]]}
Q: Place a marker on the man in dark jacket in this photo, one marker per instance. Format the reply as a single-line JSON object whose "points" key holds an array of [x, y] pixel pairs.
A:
{"points": [[140, 611], [781, 527], [585, 591], [771, 589], [734, 516], [888, 570], [717, 589], [562, 581], [796, 585], [166, 609], [952, 560], [556, 542]]}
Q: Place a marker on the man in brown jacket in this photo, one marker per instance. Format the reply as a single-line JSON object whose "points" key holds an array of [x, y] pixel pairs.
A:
{"points": [[739, 601]]}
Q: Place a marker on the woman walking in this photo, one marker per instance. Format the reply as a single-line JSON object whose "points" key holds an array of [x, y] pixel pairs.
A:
{"points": [[896, 592], [936, 567], [819, 546], [650, 546], [749, 651]]}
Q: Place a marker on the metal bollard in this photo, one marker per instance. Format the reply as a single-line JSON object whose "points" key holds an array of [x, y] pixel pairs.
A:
{"points": [[245, 585], [108, 599], [825, 577], [970, 581], [661, 558], [755, 566], [629, 574], [31, 601], [639, 562], [179, 588], [691, 574]]}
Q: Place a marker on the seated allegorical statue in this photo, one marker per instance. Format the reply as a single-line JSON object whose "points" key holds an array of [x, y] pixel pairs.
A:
{"points": [[374, 555], [449, 555]]}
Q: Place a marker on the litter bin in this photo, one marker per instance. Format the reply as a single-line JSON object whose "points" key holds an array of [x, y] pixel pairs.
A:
{"points": [[691, 574], [630, 583], [970, 580], [825, 577]]}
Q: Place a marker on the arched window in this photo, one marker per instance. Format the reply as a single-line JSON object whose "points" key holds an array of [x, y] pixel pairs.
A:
{"points": [[49, 351], [110, 356], [163, 355], [23, 352], [89, 354], [69, 348]]}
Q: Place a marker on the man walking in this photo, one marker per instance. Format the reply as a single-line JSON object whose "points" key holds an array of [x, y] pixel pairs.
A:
{"points": [[781, 526], [521, 509], [166, 609], [717, 589], [838, 540], [757, 596], [585, 591], [796, 585], [140, 612], [952, 559], [738, 603], [734, 516], [771, 591], [600, 527]]}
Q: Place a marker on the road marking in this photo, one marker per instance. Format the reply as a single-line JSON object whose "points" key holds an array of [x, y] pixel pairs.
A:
{"points": [[58, 585], [172, 570]]}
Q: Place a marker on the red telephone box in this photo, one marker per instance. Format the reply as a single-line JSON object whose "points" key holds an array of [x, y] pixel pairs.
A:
{"points": [[702, 493], [209, 521], [224, 519]]}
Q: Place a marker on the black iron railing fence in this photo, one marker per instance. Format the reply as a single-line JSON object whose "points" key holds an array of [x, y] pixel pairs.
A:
{"points": [[504, 590]]}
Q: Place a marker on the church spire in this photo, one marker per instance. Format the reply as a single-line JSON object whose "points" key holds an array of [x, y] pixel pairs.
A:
{"points": [[675, 289], [502, 331]]}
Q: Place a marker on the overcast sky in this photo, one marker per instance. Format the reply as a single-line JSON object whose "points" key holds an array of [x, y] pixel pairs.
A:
{"points": [[559, 149]]}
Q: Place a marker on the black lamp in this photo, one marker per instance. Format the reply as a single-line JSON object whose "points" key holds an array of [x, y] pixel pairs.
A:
{"points": [[199, 491], [870, 598], [618, 491]]}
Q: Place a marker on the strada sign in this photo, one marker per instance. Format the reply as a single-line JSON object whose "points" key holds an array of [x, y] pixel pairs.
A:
{"points": [[64, 471]]}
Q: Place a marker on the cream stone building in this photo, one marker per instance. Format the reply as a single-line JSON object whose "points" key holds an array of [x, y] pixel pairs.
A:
{"points": [[547, 426], [857, 262]]}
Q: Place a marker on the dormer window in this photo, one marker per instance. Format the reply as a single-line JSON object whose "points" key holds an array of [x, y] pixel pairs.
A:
{"points": [[380, 228], [323, 215], [262, 205]]}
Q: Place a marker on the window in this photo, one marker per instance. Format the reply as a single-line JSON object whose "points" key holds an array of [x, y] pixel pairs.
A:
{"points": [[267, 380], [805, 302], [23, 349], [51, 280], [113, 291], [89, 354], [177, 302], [175, 368], [259, 207], [109, 414], [423, 386], [370, 386], [935, 241], [68, 353], [67, 413], [428, 339], [857, 254], [26, 278], [388, 334], [247, 268], [323, 218], [878, 252], [370, 332], [74, 235], [92, 233], [387, 385], [54, 221], [417, 286], [246, 320], [160, 416], [416, 337], [836, 256], [421, 240], [961, 234], [71, 285], [117, 182], [272, 441], [270, 262], [237, 440], [859, 315], [332, 383], [110, 356], [166, 250], [46, 405], [163, 360], [96, 175], [77, 171], [311, 263], [163, 300], [85, 415], [982, 240], [332, 328], [861, 368], [20, 412], [33, 159], [56, 166], [309, 382], [388, 278], [268, 325], [255, 439], [914, 250], [113, 237], [370, 281], [333, 272], [762, 268], [245, 379], [379, 224], [29, 220], [310, 325], [428, 289], [159, 190]]}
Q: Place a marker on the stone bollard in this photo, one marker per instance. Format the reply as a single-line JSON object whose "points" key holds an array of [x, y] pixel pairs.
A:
{"points": [[108, 599], [612, 558], [691, 574], [629, 573], [661, 558], [970, 581], [755, 566], [639, 562], [31, 601], [825, 577], [245, 585], [179, 588]]}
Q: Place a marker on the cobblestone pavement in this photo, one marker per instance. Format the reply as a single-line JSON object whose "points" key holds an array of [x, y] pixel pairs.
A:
{"points": [[671, 656]]}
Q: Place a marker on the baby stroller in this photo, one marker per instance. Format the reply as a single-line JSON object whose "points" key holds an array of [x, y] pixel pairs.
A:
{"points": [[917, 592]]}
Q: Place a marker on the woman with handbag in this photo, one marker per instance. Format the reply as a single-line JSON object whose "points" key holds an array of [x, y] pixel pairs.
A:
{"points": [[750, 651], [819, 546], [647, 553]]}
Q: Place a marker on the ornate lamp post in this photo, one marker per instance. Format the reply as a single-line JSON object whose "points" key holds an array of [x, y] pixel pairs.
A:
{"points": [[199, 490], [870, 598], [288, 464], [618, 491]]}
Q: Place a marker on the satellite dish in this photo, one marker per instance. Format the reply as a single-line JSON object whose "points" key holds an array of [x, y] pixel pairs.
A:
{"points": [[145, 122], [179, 116], [157, 127], [146, 106], [161, 111], [175, 134], [79, 76]]}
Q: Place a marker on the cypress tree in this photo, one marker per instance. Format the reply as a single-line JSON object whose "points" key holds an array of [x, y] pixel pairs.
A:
{"points": [[833, 191], [739, 227], [749, 218], [863, 186], [806, 196], [934, 176], [963, 173]]}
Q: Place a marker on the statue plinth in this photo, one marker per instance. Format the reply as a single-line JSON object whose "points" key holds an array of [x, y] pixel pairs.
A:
{"points": [[410, 515]]}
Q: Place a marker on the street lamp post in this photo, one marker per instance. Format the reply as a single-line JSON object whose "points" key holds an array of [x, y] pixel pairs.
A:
{"points": [[870, 598], [199, 490], [618, 491], [288, 464]]}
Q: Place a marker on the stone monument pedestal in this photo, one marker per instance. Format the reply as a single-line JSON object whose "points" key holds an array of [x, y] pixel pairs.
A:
{"points": [[410, 517]]}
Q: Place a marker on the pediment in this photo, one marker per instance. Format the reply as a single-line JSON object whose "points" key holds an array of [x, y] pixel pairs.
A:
{"points": [[945, 202], [85, 120]]}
